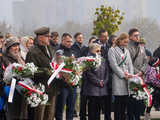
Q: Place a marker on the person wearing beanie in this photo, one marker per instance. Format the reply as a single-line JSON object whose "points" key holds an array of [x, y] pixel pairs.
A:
{"points": [[12, 55]]}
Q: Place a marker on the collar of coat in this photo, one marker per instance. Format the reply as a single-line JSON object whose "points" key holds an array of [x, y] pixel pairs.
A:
{"points": [[43, 50], [64, 48], [133, 43]]}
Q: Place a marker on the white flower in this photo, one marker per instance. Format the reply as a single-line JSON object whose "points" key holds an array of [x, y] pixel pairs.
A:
{"points": [[45, 99]]}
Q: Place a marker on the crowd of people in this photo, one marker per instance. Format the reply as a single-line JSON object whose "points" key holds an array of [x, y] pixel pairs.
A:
{"points": [[103, 90]]}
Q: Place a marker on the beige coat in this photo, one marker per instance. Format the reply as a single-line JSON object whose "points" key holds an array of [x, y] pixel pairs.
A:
{"points": [[140, 63]]}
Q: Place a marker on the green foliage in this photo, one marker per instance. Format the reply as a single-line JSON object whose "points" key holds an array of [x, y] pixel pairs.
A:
{"points": [[107, 18]]}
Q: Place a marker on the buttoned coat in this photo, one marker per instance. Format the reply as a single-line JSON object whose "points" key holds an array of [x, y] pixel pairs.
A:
{"points": [[116, 57], [140, 62]]}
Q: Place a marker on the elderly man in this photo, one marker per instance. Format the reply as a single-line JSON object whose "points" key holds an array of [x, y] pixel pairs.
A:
{"points": [[41, 55]]}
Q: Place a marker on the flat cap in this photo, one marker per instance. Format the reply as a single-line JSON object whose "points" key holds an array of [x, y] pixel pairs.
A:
{"points": [[42, 31]]}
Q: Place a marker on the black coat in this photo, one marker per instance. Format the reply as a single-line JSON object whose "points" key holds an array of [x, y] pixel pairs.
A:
{"points": [[54, 46], [91, 81], [66, 51], [84, 51], [38, 55], [157, 52], [77, 49]]}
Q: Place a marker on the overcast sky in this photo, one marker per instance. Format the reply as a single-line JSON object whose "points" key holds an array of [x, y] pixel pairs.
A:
{"points": [[6, 9]]}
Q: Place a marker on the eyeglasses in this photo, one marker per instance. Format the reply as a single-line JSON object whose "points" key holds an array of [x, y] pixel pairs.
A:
{"points": [[137, 35]]}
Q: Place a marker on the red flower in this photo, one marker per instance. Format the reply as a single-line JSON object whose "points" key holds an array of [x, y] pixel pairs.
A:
{"points": [[19, 69], [29, 93], [13, 68], [144, 85], [72, 83], [135, 89], [90, 60]]}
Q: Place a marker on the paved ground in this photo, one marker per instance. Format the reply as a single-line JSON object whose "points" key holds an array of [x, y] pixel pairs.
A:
{"points": [[155, 115]]}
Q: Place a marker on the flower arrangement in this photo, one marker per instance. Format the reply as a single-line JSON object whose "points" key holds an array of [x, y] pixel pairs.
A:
{"points": [[73, 68], [140, 91], [34, 94], [19, 71]]}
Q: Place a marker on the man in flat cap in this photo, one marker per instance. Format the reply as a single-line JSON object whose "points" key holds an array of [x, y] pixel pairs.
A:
{"points": [[41, 55]]}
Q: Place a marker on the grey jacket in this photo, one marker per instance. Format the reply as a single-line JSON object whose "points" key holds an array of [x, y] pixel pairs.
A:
{"points": [[140, 63], [116, 56], [91, 81]]}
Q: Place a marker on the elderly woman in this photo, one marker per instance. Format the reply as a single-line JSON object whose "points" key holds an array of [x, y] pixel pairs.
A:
{"points": [[121, 64], [95, 85], [17, 109], [26, 43]]}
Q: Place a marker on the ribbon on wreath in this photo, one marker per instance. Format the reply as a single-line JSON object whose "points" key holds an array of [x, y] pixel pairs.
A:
{"points": [[12, 89], [144, 86], [56, 69], [55, 66], [24, 85]]}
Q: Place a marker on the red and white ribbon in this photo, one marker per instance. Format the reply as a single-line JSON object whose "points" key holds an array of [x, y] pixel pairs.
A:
{"points": [[144, 86], [55, 73], [149, 99], [24, 85]]}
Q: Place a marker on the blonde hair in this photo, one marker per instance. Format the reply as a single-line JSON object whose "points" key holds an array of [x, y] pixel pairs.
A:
{"points": [[24, 40], [120, 38], [93, 46]]}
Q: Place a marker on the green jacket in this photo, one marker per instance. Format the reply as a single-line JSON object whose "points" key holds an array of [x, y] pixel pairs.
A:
{"points": [[38, 55]]}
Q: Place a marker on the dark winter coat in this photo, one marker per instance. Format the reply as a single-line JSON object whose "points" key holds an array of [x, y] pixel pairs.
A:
{"points": [[54, 46], [38, 55], [92, 78], [77, 49]]}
